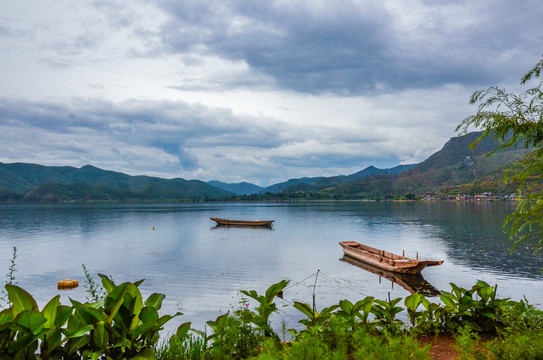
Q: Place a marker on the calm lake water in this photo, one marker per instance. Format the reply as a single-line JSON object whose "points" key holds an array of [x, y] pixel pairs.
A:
{"points": [[201, 267]]}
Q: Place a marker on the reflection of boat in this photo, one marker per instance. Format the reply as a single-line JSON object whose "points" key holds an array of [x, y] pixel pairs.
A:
{"points": [[265, 223], [410, 282], [386, 260]]}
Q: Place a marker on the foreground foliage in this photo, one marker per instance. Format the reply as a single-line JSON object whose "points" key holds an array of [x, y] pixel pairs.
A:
{"points": [[516, 120], [119, 327], [124, 326], [370, 329]]}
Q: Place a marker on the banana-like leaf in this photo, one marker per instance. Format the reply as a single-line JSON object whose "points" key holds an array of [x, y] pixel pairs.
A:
{"points": [[89, 314], [77, 342], [75, 333], [413, 301], [165, 318], [306, 309], [30, 321], [21, 300], [63, 315], [182, 330], [145, 354], [275, 289], [136, 304], [27, 344], [50, 312], [100, 335], [6, 317], [114, 301], [346, 306], [149, 315], [92, 355], [143, 328], [252, 294], [155, 300], [107, 283], [51, 342]]}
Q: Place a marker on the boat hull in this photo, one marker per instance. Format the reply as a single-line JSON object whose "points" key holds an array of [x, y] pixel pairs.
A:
{"points": [[386, 260], [258, 223], [410, 282]]}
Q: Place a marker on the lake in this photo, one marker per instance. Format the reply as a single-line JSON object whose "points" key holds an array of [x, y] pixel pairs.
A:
{"points": [[180, 252]]}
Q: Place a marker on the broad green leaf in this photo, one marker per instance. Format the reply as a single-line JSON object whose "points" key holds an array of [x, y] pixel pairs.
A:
{"points": [[275, 289], [143, 328], [165, 318], [145, 354], [155, 300], [136, 304], [26, 344], [107, 283], [92, 355], [252, 294], [485, 293], [346, 306], [6, 316], [100, 335], [63, 314], [75, 343], [51, 342], [21, 300], [306, 309], [75, 303], [75, 333], [149, 314], [50, 312], [30, 321], [89, 314], [327, 311], [182, 330], [114, 301], [413, 301]]}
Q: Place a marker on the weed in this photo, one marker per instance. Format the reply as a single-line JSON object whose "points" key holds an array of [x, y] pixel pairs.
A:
{"points": [[95, 292], [4, 299]]}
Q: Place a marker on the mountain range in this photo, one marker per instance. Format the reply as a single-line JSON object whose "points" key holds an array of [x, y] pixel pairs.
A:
{"points": [[455, 167]]}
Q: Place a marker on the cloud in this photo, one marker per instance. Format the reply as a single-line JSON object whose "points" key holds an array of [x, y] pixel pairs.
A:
{"points": [[250, 90], [177, 139], [360, 47]]}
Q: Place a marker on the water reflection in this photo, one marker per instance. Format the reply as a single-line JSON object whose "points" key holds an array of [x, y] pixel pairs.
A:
{"points": [[219, 226], [201, 268], [410, 282], [474, 236]]}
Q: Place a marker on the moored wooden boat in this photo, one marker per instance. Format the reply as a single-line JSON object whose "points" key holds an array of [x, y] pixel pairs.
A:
{"points": [[228, 222], [410, 282], [386, 260]]}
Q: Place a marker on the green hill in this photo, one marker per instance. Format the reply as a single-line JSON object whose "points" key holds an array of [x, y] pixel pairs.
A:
{"points": [[32, 182], [454, 168], [315, 183], [242, 188]]}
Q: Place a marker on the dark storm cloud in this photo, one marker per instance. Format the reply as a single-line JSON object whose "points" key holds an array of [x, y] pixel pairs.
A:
{"points": [[361, 47]]}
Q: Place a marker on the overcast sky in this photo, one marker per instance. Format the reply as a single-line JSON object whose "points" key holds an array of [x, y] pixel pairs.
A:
{"points": [[258, 91]]}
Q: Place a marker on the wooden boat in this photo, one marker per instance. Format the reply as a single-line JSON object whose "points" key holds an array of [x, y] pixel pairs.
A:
{"points": [[410, 282], [386, 260], [264, 223]]}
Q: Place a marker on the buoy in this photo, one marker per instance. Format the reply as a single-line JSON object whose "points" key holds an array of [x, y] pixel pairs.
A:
{"points": [[68, 284], [153, 228]]}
